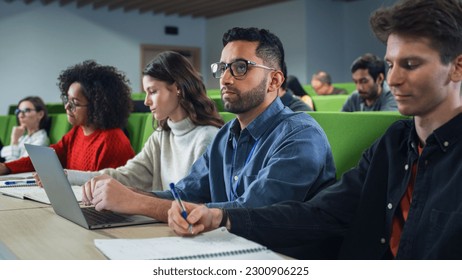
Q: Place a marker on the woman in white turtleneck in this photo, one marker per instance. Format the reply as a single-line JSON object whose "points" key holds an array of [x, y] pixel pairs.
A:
{"points": [[187, 122]]}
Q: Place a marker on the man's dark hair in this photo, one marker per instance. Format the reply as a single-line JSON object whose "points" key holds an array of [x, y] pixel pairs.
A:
{"points": [[371, 62], [323, 77], [438, 20], [269, 48], [106, 89]]}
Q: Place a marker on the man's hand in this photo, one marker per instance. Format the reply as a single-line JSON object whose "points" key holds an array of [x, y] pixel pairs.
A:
{"points": [[199, 217]]}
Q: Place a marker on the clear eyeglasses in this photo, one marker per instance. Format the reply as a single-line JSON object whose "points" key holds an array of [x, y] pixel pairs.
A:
{"points": [[72, 105], [238, 68]]}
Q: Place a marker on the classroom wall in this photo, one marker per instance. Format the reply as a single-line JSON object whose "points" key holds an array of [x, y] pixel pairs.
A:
{"points": [[38, 42]]}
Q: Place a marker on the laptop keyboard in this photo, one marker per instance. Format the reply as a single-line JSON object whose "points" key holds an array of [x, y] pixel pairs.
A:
{"points": [[95, 217]]}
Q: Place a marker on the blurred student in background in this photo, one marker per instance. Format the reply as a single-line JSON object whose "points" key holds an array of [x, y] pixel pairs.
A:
{"points": [[187, 119], [288, 99], [294, 85], [97, 102], [32, 120], [372, 92], [321, 82]]}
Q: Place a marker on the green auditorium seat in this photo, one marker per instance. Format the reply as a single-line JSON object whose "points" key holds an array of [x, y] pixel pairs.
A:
{"points": [[349, 134], [135, 127], [11, 122], [148, 129], [227, 116], [4, 121], [58, 127], [329, 103], [349, 87]]}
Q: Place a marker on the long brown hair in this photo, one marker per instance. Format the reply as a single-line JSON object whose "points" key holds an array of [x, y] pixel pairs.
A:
{"points": [[171, 67]]}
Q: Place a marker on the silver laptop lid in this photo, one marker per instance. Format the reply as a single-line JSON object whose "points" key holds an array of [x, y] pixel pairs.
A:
{"points": [[55, 183]]}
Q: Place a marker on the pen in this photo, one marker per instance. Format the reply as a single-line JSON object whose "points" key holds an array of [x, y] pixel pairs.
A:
{"points": [[180, 203], [7, 183]]}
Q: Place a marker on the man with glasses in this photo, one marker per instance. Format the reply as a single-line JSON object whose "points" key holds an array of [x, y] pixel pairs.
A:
{"points": [[266, 155]]}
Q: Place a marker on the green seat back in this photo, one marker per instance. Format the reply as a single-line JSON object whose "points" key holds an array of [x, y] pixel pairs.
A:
{"points": [[58, 127], [11, 122], [135, 128], [349, 134], [329, 103], [309, 90], [349, 87], [227, 116], [149, 127], [55, 108], [4, 122], [138, 96]]}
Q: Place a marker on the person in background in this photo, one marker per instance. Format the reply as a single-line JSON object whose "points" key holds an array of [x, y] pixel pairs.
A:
{"points": [[403, 199], [32, 120], [288, 99], [97, 102], [372, 92], [294, 85], [267, 154], [187, 122], [321, 82]]}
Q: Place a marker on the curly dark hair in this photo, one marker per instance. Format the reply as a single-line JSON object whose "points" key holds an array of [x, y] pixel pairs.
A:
{"points": [[107, 90], [438, 20], [173, 68]]}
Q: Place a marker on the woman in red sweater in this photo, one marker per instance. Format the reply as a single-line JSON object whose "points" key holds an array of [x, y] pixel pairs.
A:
{"points": [[97, 102]]}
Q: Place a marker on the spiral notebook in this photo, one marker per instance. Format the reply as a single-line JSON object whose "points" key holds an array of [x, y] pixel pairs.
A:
{"points": [[216, 244]]}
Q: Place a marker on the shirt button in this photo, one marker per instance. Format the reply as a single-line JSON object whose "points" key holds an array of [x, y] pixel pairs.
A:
{"points": [[236, 177], [382, 240], [446, 143], [390, 206], [406, 167], [412, 145]]}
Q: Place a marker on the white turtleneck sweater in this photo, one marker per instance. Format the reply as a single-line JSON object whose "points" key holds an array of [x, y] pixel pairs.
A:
{"points": [[167, 157]]}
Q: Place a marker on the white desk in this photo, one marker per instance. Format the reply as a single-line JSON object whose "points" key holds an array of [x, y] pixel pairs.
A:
{"points": [[32, 230]]}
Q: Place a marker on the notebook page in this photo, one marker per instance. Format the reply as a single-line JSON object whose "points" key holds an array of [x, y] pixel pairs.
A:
{"points": [[215, 244], [36, 193]]}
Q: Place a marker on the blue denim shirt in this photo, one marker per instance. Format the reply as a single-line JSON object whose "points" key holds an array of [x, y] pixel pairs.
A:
{"points": [[360, 207], [281, 155]]}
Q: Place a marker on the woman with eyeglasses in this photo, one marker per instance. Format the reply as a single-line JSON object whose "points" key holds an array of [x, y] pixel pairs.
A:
{"points": [[98, 102], [187, 120], [32, 121]]}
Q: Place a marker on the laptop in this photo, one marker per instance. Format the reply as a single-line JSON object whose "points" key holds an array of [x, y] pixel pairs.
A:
{"points": [[62, 198]]}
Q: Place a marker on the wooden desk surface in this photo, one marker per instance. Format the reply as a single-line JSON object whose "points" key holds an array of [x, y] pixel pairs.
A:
{"points": [[36, 232], [13, 203]]}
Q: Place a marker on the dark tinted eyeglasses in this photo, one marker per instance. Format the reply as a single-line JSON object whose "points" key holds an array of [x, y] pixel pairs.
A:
{"points": [[72, 105], [237, 68], [24, 111]]}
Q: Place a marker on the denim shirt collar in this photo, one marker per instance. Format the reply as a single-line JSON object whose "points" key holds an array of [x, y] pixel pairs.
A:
{"points": [[261, 123]]}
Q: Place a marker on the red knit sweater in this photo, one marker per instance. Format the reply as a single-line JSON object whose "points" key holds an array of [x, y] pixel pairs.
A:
{"points": [[101, 149]]}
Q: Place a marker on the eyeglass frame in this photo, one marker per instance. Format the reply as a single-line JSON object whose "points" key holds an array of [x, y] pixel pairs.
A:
{"points": [[72, 106], [229, 66], [23, 111]]}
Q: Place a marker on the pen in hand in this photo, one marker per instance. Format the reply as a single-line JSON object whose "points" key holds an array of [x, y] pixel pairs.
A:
{"points": [[180, 203]]}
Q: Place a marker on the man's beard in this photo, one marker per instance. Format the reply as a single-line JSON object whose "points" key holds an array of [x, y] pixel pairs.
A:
{"points": [[247, 100]]}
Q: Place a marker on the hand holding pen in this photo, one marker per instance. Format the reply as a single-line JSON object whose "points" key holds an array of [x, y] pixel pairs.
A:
{"points": [[180, 204]]}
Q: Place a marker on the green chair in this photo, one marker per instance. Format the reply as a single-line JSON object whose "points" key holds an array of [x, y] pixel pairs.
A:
{"points": [[349, 87], [218, 102], [55, 108], [11, 122], [135, 127], [149, 127], [58, 127], [4, 122], [349, 134], [329, 103], [227, 116], [309, 90], [138, 96]]}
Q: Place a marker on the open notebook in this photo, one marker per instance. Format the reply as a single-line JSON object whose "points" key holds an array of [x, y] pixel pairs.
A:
{"points": [[216, 244]]}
